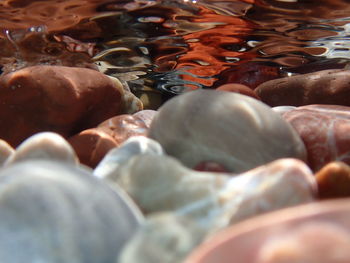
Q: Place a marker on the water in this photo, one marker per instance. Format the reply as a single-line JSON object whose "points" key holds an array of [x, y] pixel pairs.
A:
{"points": [[173, 46]]}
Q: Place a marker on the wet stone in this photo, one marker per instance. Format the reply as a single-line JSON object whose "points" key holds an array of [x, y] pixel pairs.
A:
{"points": [[333, 180], [91, 145], [54, 98], [204, 127], [44, 146], [292, 235], [325, 132], [321, 87], [215, 200], [64, 213]]}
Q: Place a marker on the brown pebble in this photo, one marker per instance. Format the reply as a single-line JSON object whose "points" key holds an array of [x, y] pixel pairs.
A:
{"points": [[333, 180], [92, 145]]}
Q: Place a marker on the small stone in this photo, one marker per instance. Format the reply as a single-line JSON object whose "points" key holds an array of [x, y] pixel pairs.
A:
{"points": [[164, 237], [234, 130], [160, 183], [238, 88], [146, 116], [57, 212], [55, 98], [333, 180], [325, 132], [108, 167], [291, 235], [92, 145], [44, 146], [321, 87]]}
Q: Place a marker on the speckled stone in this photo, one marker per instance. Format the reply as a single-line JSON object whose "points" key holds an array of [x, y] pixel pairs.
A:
{"points": [[44, 146], [292, 235], [159, 183], [321, 87], [234, 130], [333, 180], [325, 130], [56, 212]]}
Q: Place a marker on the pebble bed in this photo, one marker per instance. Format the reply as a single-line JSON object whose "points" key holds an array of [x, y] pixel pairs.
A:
{"points": [[92, 173]]}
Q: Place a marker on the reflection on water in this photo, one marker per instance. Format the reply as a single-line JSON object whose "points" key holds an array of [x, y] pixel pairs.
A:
{"points": [[178, 45]]}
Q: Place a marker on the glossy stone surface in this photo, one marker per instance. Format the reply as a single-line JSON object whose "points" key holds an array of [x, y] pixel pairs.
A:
{"points": [[292, 235], [54, 98], [321, 87], [55, 212], [325, 132], [228, 128], [44, 146], [160, 183], [333, 180]]}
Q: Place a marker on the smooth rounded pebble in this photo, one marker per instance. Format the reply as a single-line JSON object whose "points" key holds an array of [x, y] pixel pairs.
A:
{"points": [[56, 212], [5, 151], [231, 129], [297, 234], [160, 183], [44, 146]]}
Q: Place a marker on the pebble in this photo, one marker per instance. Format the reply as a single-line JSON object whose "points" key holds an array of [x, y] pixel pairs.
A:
{"points": [[321, 87], [108, 167], [92, 145], [43, 146], [60, 99], [324, 130], [234, 130], [56, 212], [291, 235], [333, 180], [160, 183]]}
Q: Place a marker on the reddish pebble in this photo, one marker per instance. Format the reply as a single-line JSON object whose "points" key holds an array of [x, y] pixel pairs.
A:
{"points": [[325, 130], [92, 145]]}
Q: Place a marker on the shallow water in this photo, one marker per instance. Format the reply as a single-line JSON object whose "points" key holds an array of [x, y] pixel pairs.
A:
{"points": [[178, 45]]}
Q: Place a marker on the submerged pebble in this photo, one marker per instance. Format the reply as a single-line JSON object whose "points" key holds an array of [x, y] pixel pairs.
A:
{"points": [[231, 129], [325, 132], [56, 212], [160, 183]]}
